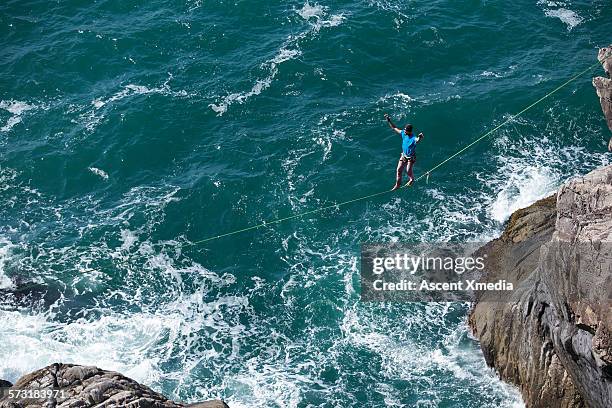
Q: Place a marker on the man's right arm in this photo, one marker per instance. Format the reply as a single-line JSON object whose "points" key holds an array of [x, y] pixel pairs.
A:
{"points": [[391, 124]]}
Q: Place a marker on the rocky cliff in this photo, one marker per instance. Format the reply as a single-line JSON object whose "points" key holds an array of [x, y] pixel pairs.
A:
{"points": [[603, 86], [87, 386], [553, 336]]}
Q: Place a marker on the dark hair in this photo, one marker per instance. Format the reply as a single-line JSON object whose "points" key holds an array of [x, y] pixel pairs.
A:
{"points": [[408, 127]]}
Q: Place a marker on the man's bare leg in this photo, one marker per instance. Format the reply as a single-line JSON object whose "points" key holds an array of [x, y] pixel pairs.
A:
{"points": [[401, 165], [410, 173]]}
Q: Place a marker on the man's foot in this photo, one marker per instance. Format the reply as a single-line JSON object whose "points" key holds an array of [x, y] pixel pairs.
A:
{"points": [[409, 183], [395, 187]]}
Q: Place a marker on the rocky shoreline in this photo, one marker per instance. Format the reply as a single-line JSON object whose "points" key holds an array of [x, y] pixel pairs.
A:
{"points": [[553, 338], [87, 386]]}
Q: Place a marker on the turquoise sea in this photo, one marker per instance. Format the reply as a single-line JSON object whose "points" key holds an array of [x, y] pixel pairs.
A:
{"points": [[130, 129]]}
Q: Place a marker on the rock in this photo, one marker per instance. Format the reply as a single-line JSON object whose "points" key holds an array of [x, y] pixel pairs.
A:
{"points": [[553, 337], [603, 86], [550, 339], [603, 57], [209, 404], [32, 295], [89, 386]]}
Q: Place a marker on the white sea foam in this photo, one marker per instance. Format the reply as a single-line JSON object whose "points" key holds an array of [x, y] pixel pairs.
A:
{"points": [[399, 95], [129, 238], [407, 354], [290, 165], [136, 342], [309, 11], [260, 85], [558, 9], [531, 168], [403, 102], [5, 250], [133, 328], [131, 343], [524, 186], [99, 172], [267, 385], [398, 9], [404, 356], [7, 178], [194, 4], [490, 74], [114, 342], [18, 193], [399, 101], [95, 114], [133, 89], [16, 109], [569, 17], [330, 129], [318, 18]]}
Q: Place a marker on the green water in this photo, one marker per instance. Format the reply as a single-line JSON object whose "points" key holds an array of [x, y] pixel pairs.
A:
{"points": [[130, 129]]}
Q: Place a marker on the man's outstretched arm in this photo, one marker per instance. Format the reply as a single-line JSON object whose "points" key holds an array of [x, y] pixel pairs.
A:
{"points": [[391, 124]]}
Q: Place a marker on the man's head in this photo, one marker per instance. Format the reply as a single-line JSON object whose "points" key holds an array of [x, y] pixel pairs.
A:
{"points": [[408, 128]]}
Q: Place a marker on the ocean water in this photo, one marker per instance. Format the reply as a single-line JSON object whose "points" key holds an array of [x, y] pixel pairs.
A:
{"points": [[130, 129]]}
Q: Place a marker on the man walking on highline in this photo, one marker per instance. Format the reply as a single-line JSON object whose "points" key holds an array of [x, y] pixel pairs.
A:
{"points": [[408, 157]]}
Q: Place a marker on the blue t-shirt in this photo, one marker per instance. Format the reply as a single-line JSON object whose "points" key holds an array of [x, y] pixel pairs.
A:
{"points": [[408, 144]]}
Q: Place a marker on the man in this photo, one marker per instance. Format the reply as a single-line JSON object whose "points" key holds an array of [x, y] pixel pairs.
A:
{"points": [[408, 156]]}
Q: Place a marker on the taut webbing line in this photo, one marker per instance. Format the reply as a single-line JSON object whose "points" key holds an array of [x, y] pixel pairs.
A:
{"points": [[426, 174], [563, 85]]}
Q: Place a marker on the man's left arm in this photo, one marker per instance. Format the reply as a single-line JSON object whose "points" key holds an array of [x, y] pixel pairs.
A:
{"points": [[420, 137]]}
